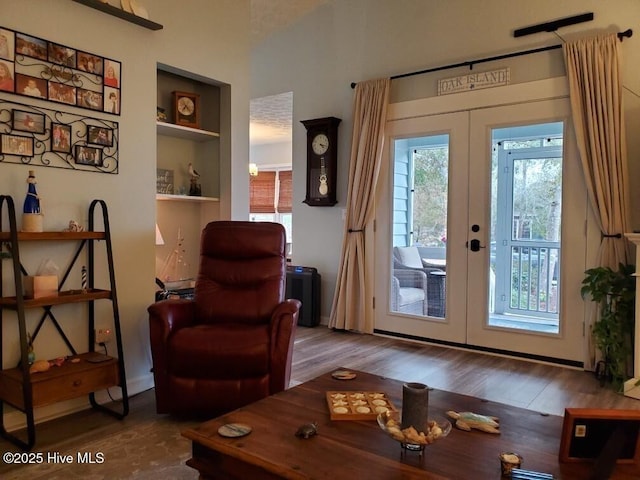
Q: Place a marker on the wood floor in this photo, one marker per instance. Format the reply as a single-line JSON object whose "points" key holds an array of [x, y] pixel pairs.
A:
{"points": [[535, 386]]}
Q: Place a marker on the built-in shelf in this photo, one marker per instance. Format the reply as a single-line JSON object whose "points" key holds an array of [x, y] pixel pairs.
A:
{"points": [[185, 198], [173, 130], [118, 12]]}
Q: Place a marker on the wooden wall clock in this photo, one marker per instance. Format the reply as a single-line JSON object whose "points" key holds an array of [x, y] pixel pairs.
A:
{"points": [[322, 161], [186, 109]]}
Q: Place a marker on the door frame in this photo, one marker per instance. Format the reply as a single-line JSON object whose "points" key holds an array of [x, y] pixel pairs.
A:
{"points": [[547, 89]]}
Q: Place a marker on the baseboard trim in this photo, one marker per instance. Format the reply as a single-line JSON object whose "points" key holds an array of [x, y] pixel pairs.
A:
{"points": [[16, 420], [494, 351]]}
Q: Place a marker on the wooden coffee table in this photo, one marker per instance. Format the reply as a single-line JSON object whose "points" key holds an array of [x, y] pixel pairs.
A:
{"points": [[361, 450]]}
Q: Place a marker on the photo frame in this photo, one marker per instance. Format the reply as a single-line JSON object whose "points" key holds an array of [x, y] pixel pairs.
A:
{"points": [[87, 62], [30, 46], [85, 155], [40, 68], [7, 44], [7, 74], [61, 93], [61, 55], [60, 138], [31, 86], [89, 99], [111, 77], [589, 433], [99, 136], [112, 100], [31, 122], [16, 145]]}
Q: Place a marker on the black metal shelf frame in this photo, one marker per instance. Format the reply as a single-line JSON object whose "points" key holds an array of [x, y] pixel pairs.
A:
{"points": [[13, 247]]}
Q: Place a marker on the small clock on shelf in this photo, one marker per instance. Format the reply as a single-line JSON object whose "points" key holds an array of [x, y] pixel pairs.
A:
{"points": [[322, 161], [186, 109]]}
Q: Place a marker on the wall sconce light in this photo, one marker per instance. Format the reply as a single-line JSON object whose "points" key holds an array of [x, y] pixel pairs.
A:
{"points": [[253, 169]]}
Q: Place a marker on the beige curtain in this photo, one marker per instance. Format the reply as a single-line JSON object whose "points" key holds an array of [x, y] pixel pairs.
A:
{"points": [[369, 117], [594, 70]]}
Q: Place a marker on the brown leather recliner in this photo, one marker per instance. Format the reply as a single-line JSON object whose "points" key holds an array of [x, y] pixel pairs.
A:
{"points": [[232, 344]]}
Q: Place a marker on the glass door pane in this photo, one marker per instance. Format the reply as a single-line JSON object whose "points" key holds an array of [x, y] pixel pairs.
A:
{"points": [[526, 201], [420, 190]]}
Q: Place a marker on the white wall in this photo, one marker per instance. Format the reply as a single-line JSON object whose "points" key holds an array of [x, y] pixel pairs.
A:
{"points": [[343, 42], [208, 38]]}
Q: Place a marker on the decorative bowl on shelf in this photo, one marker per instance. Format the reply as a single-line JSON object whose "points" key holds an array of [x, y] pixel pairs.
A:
{"points": [[411, 438]]}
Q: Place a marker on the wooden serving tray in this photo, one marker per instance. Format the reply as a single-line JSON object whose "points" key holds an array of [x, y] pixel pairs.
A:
{"points": [[357, 405]]}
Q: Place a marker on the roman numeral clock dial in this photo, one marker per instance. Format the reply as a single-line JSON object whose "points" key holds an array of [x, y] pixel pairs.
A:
{"points": [[322, 155]]}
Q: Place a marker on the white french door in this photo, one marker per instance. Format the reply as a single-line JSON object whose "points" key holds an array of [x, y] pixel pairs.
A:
{"points": [[506, 261]]}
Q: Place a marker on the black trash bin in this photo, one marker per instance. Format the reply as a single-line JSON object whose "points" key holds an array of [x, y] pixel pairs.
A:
{"points": [[303, 283]]}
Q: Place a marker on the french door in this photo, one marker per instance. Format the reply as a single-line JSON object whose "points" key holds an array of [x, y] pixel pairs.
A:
{"points": [[480, 236]]}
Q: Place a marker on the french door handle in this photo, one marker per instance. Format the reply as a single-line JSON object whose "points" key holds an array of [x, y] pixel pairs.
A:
{"points": [[474, 245]]}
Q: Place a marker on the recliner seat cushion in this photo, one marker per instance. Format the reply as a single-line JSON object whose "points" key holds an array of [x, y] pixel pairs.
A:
{"points": [[220, 351]]}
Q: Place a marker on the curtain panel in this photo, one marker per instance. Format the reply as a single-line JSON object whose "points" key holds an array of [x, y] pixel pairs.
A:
{"points": [[595, 89], [349, 309]]}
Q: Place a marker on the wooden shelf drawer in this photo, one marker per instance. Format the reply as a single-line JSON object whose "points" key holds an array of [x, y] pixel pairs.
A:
{"points": [[71, 380]]}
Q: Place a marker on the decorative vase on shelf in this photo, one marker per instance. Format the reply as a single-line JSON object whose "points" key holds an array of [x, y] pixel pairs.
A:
{"points": [[32, 217], [415, 405]]}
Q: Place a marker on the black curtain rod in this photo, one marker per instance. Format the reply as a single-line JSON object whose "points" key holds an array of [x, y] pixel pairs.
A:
{"points": [[621, 35]]}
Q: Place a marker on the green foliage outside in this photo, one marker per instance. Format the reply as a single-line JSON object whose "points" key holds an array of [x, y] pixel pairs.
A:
{"points": [[430, 196]]}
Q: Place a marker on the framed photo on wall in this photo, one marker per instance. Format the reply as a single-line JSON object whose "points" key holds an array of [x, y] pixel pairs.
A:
{"points": [[16, 145], [36, 67], [88, 155], [28, 121], [31, 86], [60, 138], [100, 136]]}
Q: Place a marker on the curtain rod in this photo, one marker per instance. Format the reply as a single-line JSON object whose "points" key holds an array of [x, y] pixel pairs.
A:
{"points": [[621, 35]]}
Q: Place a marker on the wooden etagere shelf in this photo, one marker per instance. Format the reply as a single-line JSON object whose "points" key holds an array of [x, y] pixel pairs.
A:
{"points": [[64, 297], [34, 236], [80, 374]]}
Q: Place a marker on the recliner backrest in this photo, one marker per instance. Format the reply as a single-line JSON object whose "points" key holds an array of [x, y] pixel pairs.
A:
{"points": [[242, 272]]}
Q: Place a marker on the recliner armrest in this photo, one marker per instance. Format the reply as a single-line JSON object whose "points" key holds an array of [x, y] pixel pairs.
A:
{"points": [[284, 320], [167, 316]]}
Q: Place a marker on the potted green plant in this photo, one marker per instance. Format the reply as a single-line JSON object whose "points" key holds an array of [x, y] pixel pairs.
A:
{"points": [[614, 292]]}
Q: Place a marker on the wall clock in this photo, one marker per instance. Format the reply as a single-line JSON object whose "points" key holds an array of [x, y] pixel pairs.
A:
{"points": [[322, 161], [186, 109]]}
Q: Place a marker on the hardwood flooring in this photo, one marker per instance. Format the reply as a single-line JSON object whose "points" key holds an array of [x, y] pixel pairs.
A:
{"points": [[535, 386], [521, 383]]}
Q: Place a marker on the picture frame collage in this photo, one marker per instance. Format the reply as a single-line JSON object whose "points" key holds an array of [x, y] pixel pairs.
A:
{"points": [[38, 136], [38, 68]]}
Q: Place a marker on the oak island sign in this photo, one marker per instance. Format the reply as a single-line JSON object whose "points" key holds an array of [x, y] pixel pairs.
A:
{"points": [[474, 81]]}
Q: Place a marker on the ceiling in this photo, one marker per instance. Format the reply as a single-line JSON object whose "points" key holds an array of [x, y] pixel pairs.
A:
{"points": [[268, 16], [271, 116]]}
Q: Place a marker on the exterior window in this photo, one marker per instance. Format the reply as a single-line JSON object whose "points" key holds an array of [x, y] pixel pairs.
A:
{"points": [[270, 200]]}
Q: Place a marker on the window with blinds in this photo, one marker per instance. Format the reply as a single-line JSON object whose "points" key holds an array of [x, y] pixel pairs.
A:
{"points": [[271, 192], [262, 190]]}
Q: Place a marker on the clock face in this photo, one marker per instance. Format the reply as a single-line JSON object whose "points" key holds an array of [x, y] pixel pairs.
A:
{"points": [[320, 144], [186, 106]]}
